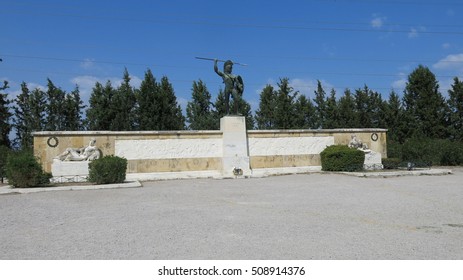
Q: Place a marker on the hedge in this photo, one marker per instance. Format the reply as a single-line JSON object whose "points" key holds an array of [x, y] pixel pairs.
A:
{"points": [[342, 158]]}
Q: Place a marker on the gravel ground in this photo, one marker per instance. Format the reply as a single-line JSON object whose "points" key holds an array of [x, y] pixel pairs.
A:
{"points": [[312, 216]]}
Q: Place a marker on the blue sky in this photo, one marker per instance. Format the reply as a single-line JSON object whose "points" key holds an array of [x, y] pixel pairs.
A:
{"points": [[343, 43]]}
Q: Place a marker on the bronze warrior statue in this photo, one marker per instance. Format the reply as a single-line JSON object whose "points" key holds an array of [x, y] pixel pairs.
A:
{"points": [[233, 85]]}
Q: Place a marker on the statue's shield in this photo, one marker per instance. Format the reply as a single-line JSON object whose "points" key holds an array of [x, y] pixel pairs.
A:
{"points": [[239, 85]]}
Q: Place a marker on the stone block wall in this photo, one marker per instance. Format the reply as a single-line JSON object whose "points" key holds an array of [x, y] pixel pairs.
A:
{"points": [[198, 151]]}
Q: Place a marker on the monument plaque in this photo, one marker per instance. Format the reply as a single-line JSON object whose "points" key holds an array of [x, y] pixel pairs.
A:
{"points": [[235, 161]]}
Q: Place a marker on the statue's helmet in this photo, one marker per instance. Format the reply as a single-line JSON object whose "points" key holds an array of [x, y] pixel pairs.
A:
{"points": [[227, 63]]}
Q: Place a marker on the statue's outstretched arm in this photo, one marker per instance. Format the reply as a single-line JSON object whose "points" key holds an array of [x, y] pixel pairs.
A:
{"points": [[216, 69]]}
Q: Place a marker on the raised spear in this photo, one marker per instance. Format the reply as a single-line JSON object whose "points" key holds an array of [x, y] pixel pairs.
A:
{"points": [[213, 59]]}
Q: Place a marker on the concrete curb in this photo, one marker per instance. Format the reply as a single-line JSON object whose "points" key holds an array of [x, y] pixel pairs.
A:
{"points": [[11, 190], [387, 174]]}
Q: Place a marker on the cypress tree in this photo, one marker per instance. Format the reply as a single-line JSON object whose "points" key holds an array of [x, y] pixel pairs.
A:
{"points": [[170, 113], [265, 115], [424, 105], [29, 115], [332, 113], [346, 105], [320, 105], [148, 109], [99, 112], [200, 109], [285, 111], [123, 106], [368, 107], [455, 103], [73, 113], [305, 117], [5, 115], [394, 118], [55, 109]]}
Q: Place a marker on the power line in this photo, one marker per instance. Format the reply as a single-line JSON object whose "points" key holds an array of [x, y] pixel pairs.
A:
{"points": [[241, 25], [249, 56]]}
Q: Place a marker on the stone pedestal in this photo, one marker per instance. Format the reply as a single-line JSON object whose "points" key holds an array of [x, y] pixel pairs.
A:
{"points": [[235, 161], [372, 161], [69, 171]]}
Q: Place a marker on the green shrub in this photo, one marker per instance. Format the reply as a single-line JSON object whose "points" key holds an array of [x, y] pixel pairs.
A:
{"points": [[107, 170], [24, 171], [391, 163], [452, 154], [427, 152], [394, 149], [422, 150], [342, 158], [4, 152]]}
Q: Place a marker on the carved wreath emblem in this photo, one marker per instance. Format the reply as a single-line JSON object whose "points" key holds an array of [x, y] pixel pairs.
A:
{"points": [[52, 141]]}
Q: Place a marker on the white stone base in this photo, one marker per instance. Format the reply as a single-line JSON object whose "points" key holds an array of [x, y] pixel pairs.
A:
{"points": [[235, 160], [69, 171], [372, 161]]}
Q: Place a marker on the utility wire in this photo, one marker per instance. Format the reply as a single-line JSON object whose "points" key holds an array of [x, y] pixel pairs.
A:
{"points": [[238, 25]]}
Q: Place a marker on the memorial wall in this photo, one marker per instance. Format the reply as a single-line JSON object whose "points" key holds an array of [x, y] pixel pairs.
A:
{"points": [[221, 153]]}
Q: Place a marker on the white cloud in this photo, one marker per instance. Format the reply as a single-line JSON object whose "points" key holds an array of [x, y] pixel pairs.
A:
{"points": [[305, 87], [452, 62], [33, 86], [446, 46], [399, 84], [415, 32], [87, 63], [377, 22]]}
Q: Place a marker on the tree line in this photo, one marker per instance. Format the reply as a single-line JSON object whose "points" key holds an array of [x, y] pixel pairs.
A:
{"points": [[422, 111]]}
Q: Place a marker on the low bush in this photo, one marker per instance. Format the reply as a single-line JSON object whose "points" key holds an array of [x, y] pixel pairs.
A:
{"points": [[4, 152], [24, 171], [452, 154], [342, 158], [107, 170], [428, 152], [391, 163]]}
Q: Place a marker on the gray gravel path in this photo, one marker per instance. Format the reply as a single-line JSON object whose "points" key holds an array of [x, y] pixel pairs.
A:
{"points": [[313, 216]]}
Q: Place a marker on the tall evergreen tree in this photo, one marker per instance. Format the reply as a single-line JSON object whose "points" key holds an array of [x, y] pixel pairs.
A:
{"points": [[424, 105], [200, 109], [56, 108], [148, 98], [285, 111], [220, 108], [332, 113], [346, 109], [29, 115], [455, 103], [305, 113], [170, 113], [123, 106], [320, 105], [265, 115], [99, 112], [368, 107], [5, 115], [393, 118], [73, 113]]}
